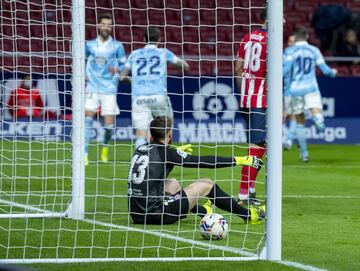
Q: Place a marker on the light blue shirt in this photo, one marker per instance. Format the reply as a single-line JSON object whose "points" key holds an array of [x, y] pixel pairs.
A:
{"points": [[101, 56], [148, 67], [299, 67], [286, 84]]}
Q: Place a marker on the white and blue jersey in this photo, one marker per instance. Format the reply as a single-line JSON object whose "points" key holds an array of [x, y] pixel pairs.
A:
{"points": [[148, 67], [286, 84], [101, 56], [299, 67]]}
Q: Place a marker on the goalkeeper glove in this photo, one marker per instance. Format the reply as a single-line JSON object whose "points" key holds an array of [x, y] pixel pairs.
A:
{"points": [[249, 160], [185, 148]]}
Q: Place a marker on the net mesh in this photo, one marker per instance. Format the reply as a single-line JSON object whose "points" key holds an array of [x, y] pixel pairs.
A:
{"points": [[35, 158]]}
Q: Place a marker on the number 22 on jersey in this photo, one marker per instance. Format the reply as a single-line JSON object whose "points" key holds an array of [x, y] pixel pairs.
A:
{"points": [[148, 66]]}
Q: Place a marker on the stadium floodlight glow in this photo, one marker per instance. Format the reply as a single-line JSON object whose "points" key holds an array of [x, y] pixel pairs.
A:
{"points": [[50, 210]]}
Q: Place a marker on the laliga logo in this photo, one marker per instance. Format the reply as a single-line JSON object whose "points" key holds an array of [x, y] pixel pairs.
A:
{"points": [[214, 99]]}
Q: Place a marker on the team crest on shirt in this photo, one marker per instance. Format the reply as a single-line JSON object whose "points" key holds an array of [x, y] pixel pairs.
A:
{"points": [[182, 153]]}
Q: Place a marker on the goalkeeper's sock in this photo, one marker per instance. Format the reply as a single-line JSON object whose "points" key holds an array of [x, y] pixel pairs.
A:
{"points": [[140, 141], [249, 174], [108, 132], [88, 125], [292, 130], [199, 210], [301, 136], [223, 201]]}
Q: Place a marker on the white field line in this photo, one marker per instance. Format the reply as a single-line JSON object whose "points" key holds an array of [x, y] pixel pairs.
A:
{"points": [[43, 213], [172, 237], [301, 266], [97, 260], [249, 256], [304, 166], [321, 197], [155, 233]]}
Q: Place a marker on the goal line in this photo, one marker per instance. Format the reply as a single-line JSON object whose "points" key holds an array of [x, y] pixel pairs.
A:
{"points": [[47, 214], [245, 255]]}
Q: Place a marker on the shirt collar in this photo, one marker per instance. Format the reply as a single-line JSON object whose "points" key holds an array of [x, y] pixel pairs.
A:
{"points": [[104, 42], [150, 45], [301, 42]]}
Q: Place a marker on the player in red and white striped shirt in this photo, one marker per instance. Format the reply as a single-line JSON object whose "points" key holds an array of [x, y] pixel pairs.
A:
{"points": [[250, 73]]}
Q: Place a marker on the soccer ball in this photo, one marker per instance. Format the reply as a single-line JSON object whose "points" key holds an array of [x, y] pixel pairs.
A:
{"points": [[213, 226]]}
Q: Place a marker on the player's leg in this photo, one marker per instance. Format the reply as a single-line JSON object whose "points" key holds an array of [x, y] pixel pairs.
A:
{"points": [[256, 119], [207, 188], [314, 103], [173, 187], [298, 104], [91, 107], [161, 106], [141, 117], [109, 111], [291, 134]]}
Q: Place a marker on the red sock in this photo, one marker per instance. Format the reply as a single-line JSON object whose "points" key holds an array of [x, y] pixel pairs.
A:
{"points": [[249, 174]]}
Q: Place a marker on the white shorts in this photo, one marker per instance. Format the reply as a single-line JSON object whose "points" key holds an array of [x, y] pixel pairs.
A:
{"points": [[145, 108], [299, 104], [108, 103]]}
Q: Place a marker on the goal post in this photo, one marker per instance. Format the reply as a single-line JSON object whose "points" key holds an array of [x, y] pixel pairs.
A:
{"points": [[53, 209], [76, 208], [274, 130]]}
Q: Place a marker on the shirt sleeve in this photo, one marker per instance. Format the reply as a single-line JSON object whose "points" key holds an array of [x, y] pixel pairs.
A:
{"points": [[128, 62], [171, 57], [87, 51], [287, 62], [319, 57], [120, 55], [180, 158]]}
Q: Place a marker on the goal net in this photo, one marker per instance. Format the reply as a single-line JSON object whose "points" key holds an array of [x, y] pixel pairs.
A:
{"points": [[45, 215]]}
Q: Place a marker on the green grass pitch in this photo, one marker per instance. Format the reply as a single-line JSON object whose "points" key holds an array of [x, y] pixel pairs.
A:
{"points": [[320, 211]]}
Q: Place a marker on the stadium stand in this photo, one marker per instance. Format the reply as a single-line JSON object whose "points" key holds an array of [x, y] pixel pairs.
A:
{"points": [[226, 25]]}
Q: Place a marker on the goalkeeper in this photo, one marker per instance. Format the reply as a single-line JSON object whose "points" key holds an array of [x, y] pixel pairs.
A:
{"points": [[154, 199]]}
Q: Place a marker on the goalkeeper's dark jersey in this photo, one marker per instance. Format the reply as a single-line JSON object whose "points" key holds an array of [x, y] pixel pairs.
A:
{"points": [[151, 165]]}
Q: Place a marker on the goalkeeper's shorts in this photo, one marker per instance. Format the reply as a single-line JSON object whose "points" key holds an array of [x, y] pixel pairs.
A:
{"points": [[174, 208]]}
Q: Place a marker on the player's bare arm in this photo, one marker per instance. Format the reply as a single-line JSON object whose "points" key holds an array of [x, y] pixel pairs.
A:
{"points": [[124, 76], [182, 64], [238, 71]]}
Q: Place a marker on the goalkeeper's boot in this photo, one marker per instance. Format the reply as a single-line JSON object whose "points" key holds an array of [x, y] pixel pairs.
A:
{"points": [[86, 159], [257, 214], [104, 157], [209, 207]]}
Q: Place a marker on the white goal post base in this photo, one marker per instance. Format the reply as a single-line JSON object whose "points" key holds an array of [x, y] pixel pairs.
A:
{"points": [[40, 213], [94, 260]]}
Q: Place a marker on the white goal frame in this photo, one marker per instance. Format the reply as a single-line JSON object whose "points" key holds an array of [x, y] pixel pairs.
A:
{"points": [[76, 209]]}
